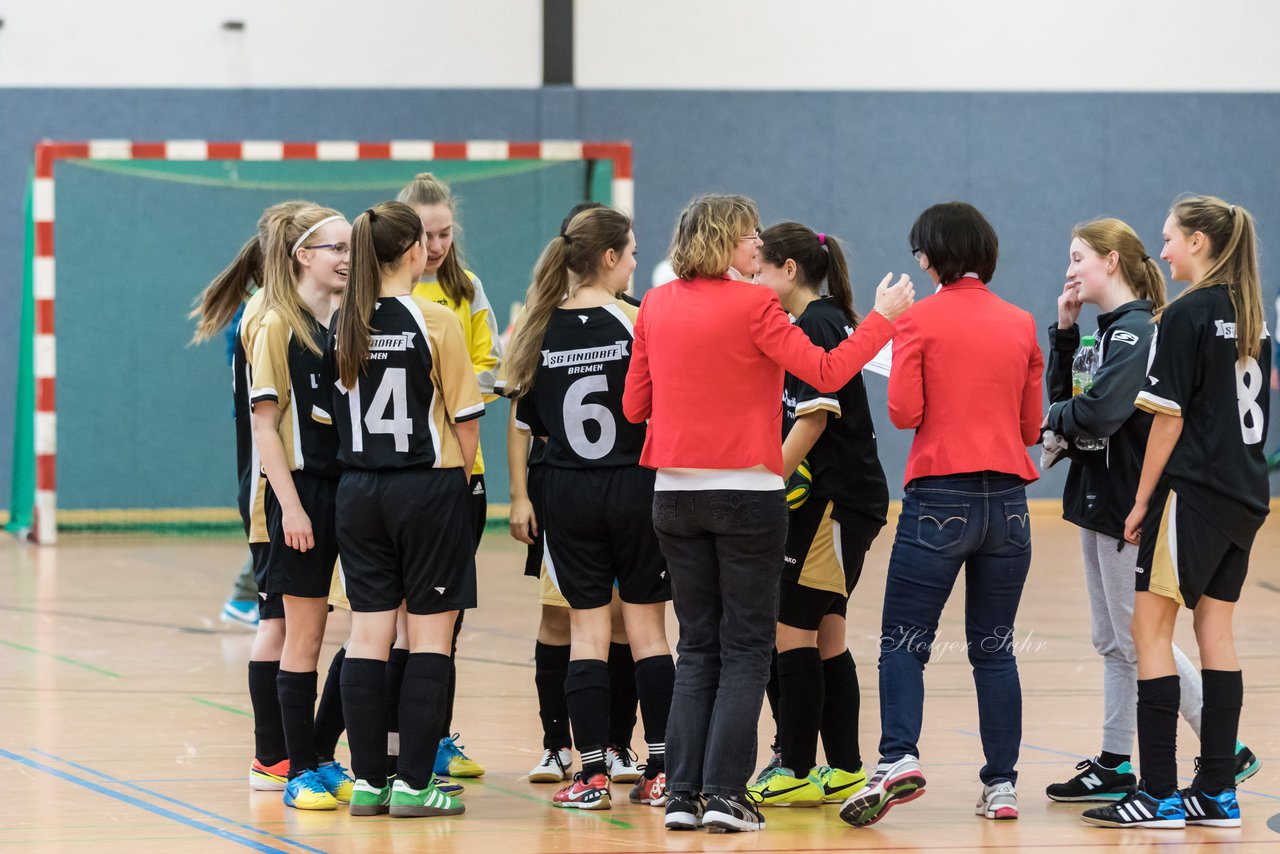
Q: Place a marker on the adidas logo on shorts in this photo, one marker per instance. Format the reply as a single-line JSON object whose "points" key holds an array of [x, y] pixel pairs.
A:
{"points": [[479, 489]]}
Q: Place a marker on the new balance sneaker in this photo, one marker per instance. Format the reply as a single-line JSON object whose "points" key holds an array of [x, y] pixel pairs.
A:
{"points": [[1095, 783], [621, 764], [408, 802], [336, 780], [368, 799], [584, 793], [452, 762], [684, 811], [737, 814], [998, 802], [1140, 810], [307, 792], [651, 791], [780, 787], [892, 783], [1246, 763], [268, 778], [838, 784], [242, 611], [1220, 810], [554, 767]]}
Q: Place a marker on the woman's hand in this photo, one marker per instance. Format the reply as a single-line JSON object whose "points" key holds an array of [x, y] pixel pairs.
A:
{"points": [[522, 522], [297, 529], [892, 301], [1133, 523], [1069, 305]]}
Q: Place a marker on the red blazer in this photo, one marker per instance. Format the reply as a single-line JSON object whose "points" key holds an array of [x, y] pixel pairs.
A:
{"points": [[707, 369], [967, 376]]}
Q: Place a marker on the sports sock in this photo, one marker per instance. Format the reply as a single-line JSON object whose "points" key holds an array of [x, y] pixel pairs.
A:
{"points": [[298, 710], [587, 693], [422, 701], [655, 679], [268, 725], [364, 707], [771, 689], [840, 708], [394, 680], [1219, 729], [329, 723], [622, 695], [1112, 761], [800, 700], [451, 689], [1158, 735], [550, 665]]}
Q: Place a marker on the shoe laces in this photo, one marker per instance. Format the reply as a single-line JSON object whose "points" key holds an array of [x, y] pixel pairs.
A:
{"points": [[451, 745], [626, 756], [311, 781], [1083, 764]]}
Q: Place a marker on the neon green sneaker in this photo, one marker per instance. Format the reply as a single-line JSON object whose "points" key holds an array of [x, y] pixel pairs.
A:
{"points": [[781, 788], [838, 784], [408, 802], [368, 799]]}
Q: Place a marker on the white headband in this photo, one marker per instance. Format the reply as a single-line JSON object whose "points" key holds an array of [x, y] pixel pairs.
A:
{"points": [[312, 230]]}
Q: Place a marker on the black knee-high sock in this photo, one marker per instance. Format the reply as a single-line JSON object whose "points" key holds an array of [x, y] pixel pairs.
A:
{"points": [[550, 666], [446, 723], [394, 680], [771, 691], [298, 710], [800, 699], [840, 710], [422, 700], [1158, 701], [329, 722], [586, 689], [268, 725], [655, 679], [364, 706], [622, 695], [1219, 729]]}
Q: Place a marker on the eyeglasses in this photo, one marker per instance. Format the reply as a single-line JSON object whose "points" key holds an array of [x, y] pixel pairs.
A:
{"points": [[755, 235], [338, 248], [915, 252]]}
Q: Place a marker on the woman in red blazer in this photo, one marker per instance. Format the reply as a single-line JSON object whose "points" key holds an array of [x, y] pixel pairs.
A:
{"points": [[706, 371], [966, 377]]}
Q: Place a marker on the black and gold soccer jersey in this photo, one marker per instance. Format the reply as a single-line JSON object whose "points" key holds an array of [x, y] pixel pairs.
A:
{"points": [[417, 384], [247, 468], [1218, 464], [576, 396], [284, 371], [845, 462]]}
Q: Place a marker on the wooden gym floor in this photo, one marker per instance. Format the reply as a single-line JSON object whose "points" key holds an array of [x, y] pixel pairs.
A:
{"points": [[124, 718]]}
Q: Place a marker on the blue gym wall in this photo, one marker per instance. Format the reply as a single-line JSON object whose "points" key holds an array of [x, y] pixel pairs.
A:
{"points": [[858, 165]]}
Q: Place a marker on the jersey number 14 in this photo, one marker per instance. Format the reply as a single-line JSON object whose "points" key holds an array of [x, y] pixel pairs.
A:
{"points": [[392, 395]]}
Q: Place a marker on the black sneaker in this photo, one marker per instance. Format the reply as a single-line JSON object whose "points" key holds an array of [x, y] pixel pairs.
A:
{"points": [[1246, 763], [684, 811], [735, 814], [1220, 810], [1095, 783], [1140, 810]]}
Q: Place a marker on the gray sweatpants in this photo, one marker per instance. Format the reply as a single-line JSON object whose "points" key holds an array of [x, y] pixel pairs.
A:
{"points": [[1109, 576]]}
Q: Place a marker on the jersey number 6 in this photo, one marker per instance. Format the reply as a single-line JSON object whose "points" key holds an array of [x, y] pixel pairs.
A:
{"points": [[577, 413]]}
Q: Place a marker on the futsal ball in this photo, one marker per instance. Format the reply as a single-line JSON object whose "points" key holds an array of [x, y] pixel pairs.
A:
{"points": [[798, 486]]}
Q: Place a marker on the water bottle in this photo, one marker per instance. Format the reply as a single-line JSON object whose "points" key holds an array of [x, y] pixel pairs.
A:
{"points": [[1083, 367]]}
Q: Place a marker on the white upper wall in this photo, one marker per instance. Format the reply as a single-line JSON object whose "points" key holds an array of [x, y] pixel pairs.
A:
{"points": [[1004, 45]]}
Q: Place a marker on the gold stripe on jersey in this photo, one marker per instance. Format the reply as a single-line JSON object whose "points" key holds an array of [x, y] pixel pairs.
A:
{"points": [[818, 404], [249, 322], [258, 507], [1164, 563], [269, 359], [822, 570], [458, 394], [1157, 405]]}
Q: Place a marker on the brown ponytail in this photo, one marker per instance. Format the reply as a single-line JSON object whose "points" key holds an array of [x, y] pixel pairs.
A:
{"points": [[281, 271], [1140, 271], [819, 258]]}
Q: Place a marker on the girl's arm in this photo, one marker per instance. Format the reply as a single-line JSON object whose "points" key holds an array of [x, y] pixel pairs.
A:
{"points": [[1165, 432], [523, 522], [803, 436]]}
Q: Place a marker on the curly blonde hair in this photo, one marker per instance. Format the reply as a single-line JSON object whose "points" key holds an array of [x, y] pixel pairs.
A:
{"points": [[708, 232]]}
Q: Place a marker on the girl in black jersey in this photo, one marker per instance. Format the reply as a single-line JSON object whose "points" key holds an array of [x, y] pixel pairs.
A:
{"points": [[217, 306], [1202, 496], [405, 400], [304, 274], [829, 535], [566, 368]]}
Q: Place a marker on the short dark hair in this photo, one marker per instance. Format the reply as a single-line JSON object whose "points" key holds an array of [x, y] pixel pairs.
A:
{"points": [[957, 239], [577, 209]]}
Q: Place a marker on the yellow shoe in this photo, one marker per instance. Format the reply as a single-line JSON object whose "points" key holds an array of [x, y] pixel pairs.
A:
{"points": [[307, 792], [781, 788], [336, 781], [838, 784], [452, 762]]}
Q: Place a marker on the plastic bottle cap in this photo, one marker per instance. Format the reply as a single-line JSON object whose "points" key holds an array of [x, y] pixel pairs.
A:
{"points": [[1088, 341]]}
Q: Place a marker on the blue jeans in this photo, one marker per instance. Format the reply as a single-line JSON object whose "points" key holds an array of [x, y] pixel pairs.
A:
{"points": [[979, 521], [724, 550]]}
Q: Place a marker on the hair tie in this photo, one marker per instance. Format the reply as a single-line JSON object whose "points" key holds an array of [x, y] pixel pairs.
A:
{"points": [[369, 213], [1146, 257], [1231, 209], [822, 239], [565, 237], [310, 231]]}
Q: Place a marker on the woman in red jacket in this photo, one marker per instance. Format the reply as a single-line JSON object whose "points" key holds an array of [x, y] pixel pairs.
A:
{"points": [[966, 377], [708, 363]]}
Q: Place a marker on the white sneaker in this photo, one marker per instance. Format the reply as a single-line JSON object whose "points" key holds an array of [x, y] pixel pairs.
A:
{"points": [[621, 765], [554, 767], [998, 802]]}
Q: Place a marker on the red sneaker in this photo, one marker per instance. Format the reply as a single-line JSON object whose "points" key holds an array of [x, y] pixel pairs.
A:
{"points": [[584, 794], [652, 792], [269, 778]]}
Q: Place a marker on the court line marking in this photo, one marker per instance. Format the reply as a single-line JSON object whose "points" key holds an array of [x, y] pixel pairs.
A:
{"points": [[545, 802], [214, 705], [122, 621], [63, 658], [151, 808], [116, 780]]}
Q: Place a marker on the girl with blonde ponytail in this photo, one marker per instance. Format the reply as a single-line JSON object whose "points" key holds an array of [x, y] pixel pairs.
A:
{"points": [[1201, 498]]}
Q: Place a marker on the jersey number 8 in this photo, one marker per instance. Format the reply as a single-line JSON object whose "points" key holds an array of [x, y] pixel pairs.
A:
{"points": [[1248, 387]]}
